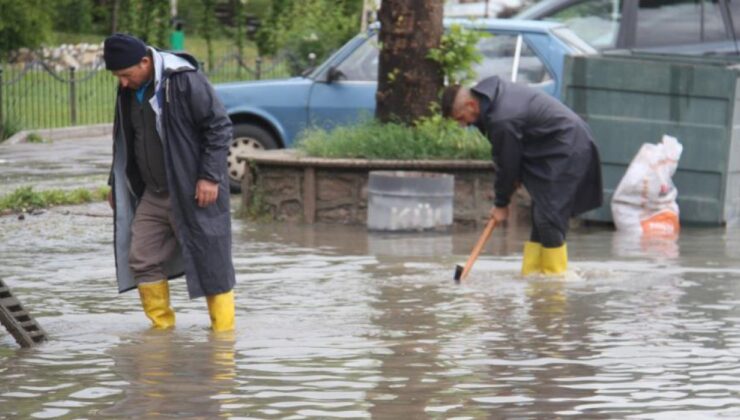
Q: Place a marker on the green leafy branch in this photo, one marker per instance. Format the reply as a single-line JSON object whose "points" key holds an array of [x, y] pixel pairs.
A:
{"points": [[457, 53]]}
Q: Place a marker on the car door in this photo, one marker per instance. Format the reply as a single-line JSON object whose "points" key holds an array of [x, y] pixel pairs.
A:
{"points": [[345, 91]]}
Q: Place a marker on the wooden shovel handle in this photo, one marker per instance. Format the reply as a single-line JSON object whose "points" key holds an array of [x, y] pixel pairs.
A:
{"points": [[478, 247]]}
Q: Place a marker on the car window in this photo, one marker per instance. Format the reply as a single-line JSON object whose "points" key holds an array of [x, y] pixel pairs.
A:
{"points": [[675, 22], [498, 52], [573, 41], [498, 58], [362, 64], [595, 21]]}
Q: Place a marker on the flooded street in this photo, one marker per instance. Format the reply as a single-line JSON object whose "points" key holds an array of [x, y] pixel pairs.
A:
{"points": [[81, 162], [334, 322]]}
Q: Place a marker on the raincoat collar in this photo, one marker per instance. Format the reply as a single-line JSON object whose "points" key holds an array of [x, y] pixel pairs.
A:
{"points": [[486, 91], [166, 63]]}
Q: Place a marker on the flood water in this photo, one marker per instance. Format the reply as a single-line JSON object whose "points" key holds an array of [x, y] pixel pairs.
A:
{"points": [[336, 322], [80, 162]]}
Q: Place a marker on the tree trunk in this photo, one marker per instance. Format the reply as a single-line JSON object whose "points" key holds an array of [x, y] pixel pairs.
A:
{"points": [[114, 16], [408, 81]]}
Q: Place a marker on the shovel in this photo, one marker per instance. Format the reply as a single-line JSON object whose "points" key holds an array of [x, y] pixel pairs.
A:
{"points": [[460, 272]]}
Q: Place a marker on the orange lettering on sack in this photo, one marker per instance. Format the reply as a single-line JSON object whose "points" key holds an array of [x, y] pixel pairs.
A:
{"points": [[663, 223]]}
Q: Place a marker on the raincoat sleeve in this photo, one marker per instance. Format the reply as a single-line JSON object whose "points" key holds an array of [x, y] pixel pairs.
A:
{"points": [[506, 147], [214, 125]]}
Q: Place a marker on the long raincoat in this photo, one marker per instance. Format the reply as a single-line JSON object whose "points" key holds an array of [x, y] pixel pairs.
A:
{"points": [[196, 134], [540, 142]]}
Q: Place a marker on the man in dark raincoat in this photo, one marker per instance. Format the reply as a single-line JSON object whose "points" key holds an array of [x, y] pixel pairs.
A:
{"points": [[169, 187], [540, 143]]}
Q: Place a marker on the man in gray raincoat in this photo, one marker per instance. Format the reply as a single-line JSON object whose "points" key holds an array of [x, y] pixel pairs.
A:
{"points": [[542, 144], [169, 187]]}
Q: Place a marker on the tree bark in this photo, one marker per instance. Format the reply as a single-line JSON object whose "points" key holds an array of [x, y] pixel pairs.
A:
{"points": [[114, 16], [408, 81]]}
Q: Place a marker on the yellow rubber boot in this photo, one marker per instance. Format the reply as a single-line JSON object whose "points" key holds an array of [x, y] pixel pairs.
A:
{"points": [[221, 310], [555, 260], [155, 298], [531, 260]]}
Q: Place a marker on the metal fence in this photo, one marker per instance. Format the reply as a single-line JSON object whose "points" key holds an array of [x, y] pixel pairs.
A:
{"points": [[233, 67], [36, 95]]}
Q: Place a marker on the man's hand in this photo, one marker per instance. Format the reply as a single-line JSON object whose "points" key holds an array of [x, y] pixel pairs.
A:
{"points": [[110, 198], [500, 213], [206, 192]]}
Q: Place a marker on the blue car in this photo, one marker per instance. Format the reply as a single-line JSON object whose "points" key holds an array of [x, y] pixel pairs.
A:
{"points": [[270, 114]]}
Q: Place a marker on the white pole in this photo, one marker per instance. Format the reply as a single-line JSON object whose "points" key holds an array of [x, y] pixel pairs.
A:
{"points": [[515, 64]]}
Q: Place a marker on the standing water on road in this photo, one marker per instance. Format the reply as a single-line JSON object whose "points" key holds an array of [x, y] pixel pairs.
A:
{"points": [[334, 322], [65, 164]]}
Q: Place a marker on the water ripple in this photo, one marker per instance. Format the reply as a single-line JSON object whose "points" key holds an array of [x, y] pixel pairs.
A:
{"points": [[336, 323]]}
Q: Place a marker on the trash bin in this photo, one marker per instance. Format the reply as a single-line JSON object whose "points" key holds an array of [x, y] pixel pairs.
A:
{"points": [[633, 98], [177, 36], [409, 200]]}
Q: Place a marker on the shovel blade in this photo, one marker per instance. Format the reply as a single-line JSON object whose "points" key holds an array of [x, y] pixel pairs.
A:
{"points": [[458, 273]]}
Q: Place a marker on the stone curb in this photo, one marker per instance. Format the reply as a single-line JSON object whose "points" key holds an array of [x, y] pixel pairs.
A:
{"points": [[53, 134], [291, 157]]}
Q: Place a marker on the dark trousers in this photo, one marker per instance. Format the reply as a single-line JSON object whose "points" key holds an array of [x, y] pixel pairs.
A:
{"points": [[545, 232]]}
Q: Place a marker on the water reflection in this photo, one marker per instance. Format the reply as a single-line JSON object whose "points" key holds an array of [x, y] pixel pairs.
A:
{"points": [[336, 323], [170, 375], [635, 244], [409, 328], [409, 244]]}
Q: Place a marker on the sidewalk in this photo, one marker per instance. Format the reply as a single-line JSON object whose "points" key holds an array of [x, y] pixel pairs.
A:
{"points": [[74, 157]]}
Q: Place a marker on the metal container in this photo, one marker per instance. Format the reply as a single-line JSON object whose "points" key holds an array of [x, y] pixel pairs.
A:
{"points": [[409, 201], [633, 98]]}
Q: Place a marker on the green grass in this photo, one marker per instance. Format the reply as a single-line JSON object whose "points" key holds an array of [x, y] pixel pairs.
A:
{"points": [[34, 138], [433, 138], [257, 210], [26, 199]]}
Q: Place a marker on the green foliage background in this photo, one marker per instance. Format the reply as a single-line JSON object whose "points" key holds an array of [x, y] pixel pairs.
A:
{"points": [[24, 23], [458, 53], [309, 26], [300, 27]]}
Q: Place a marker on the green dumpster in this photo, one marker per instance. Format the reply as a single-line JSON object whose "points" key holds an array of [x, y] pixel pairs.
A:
{"points": [[629, 99]]}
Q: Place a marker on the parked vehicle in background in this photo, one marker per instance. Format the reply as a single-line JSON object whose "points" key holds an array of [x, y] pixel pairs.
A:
{"points": [[680, 26], [270, 114]]}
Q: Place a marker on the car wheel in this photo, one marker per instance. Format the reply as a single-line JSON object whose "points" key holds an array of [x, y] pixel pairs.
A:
{"points": [[246, 137]]}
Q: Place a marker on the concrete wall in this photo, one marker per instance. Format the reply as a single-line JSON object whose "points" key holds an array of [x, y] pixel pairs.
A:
{"points": [[315, 191]]}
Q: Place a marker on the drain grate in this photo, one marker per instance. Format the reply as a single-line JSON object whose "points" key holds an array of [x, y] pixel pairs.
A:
{"points": [[19, 323]]}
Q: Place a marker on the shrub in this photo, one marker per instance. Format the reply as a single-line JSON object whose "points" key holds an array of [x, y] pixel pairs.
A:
{"points": [[431, 138], [26, 199], [34, 138], [10, 126]]}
